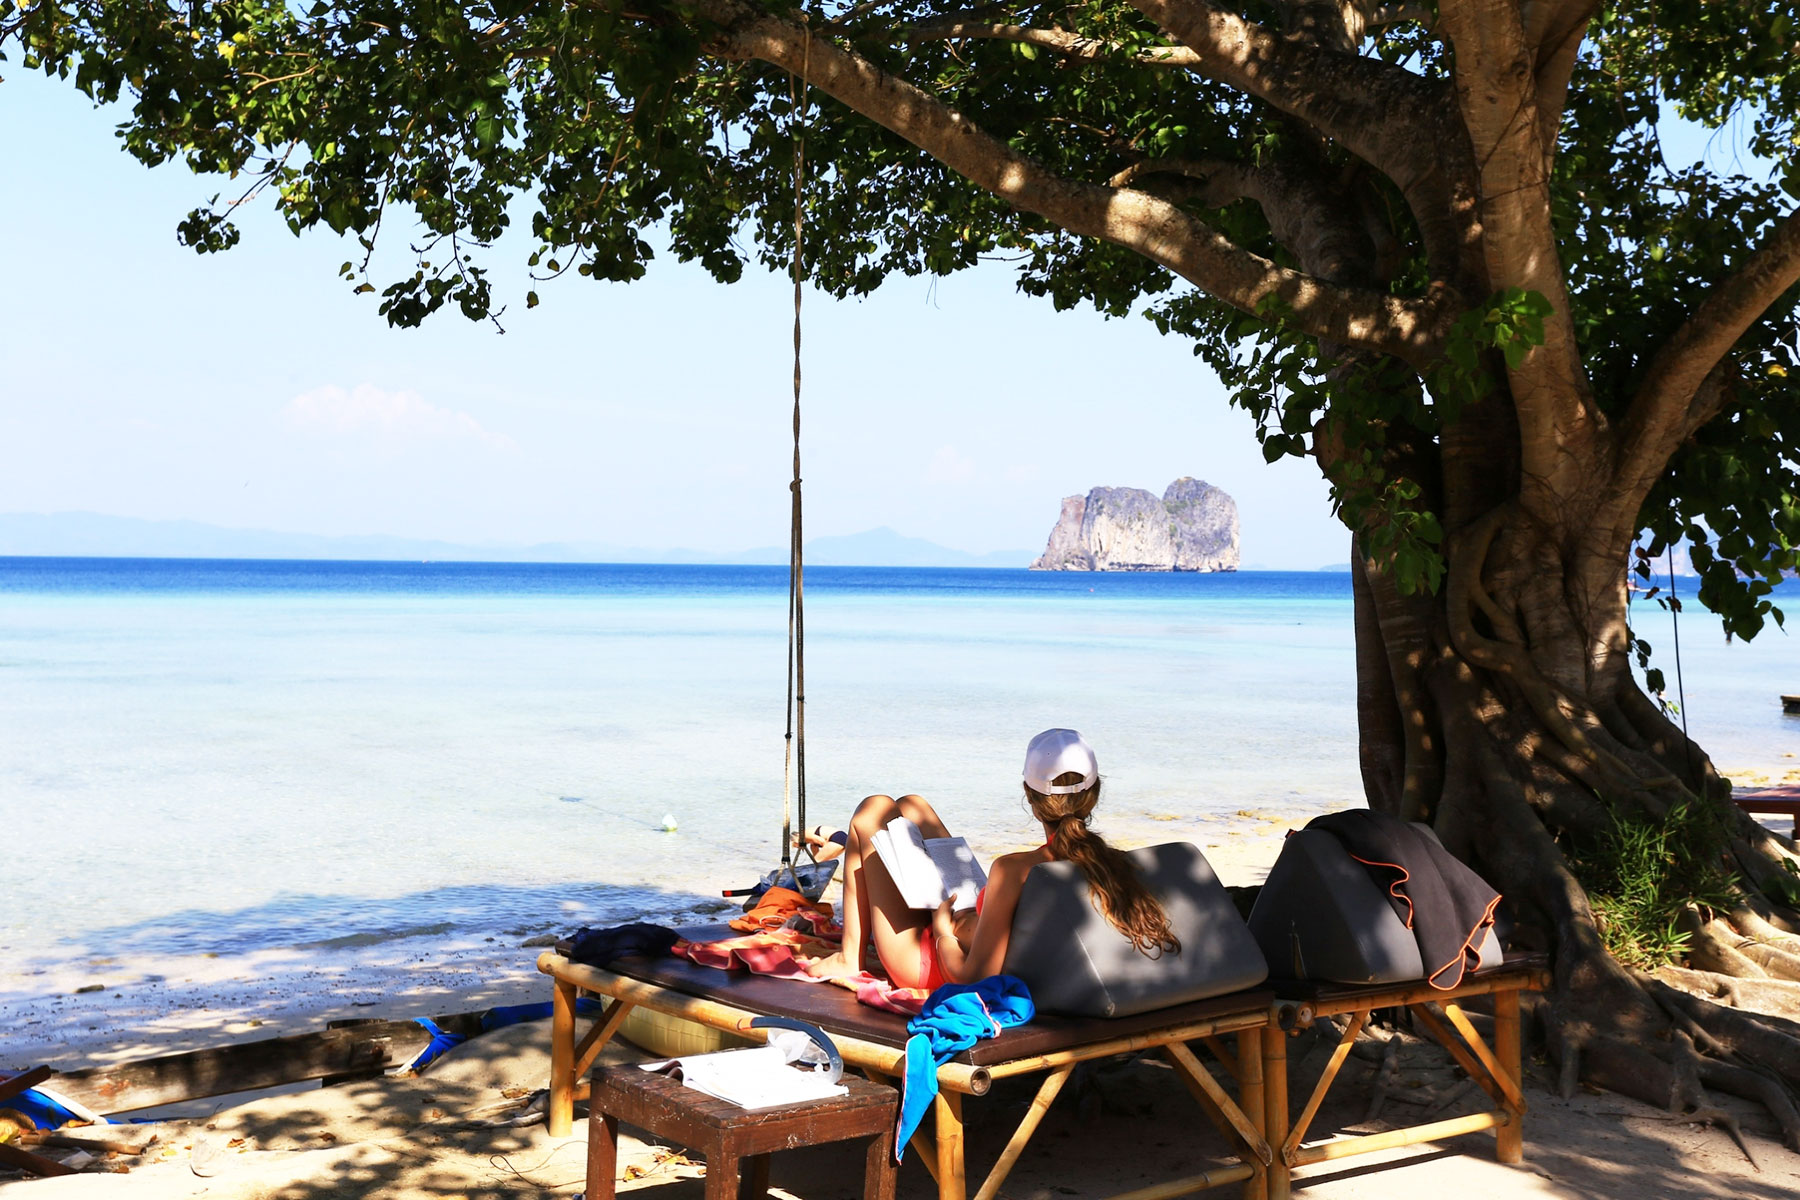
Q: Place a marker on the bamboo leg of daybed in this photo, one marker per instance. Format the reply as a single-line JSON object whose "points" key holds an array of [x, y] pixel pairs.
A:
{"points": [[1221, 1052], [1298, 1133], [1509, 1085], [599, 1036], [1250, 1099], [950, 1180], [1195, 1074], [1275, 1106], [1213, 1112], [1435, 1026], [560, 1116], [1510, 1137], [1040, 1104]]}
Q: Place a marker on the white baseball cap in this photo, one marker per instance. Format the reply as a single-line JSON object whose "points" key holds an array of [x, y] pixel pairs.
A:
{"points": [[1057, 752]]}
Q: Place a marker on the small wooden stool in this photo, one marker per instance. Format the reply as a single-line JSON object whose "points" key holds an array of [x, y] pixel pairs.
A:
{"points": [[725, 1133]]}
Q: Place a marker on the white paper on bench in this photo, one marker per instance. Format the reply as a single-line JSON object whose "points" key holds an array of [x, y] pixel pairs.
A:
{"points": [[929, 870], [759, 1077]]}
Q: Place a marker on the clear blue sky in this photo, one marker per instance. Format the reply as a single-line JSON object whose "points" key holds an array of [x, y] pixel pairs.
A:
{"points": [[252, 389]]}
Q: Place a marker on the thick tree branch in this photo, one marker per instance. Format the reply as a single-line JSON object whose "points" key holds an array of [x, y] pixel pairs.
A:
{"points": [[1305, 212], [1378, 111], [1401, 14], [1410, 329], [1676, 389], [1329, 91], [1555, 33], [1074, 46], [1560, 427]]}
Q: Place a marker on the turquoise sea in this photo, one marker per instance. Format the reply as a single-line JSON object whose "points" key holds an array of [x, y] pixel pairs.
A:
{"points": [[202, 757]]}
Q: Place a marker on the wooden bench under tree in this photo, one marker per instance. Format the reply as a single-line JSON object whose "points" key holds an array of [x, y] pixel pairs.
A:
{"points": [[1781, 801]]}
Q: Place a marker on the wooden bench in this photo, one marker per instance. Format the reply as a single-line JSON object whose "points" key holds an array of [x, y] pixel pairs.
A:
{"points": [[728, 1135], [1782, 801], [1498, 1070], [874, 1042]]}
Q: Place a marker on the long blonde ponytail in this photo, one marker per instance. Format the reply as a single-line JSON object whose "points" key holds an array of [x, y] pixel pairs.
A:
{"points": [[1118, 891]]}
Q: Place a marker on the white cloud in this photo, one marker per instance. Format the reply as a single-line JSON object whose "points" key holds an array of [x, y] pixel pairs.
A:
{"points": [[949, 466], [399, 416]]}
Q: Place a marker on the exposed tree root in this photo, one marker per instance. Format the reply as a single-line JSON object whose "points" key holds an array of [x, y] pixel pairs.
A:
{"points": [[1769, 1041], [1754, 925], [1768, 996], [1539, 754], [1760, 1088]]}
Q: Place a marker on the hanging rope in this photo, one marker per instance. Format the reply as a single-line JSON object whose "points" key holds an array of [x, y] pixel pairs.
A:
{"points": [[793, 786], [1675, 622]]}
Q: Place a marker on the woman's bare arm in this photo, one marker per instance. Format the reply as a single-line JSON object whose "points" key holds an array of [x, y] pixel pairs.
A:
{"points": [[993, 930]]}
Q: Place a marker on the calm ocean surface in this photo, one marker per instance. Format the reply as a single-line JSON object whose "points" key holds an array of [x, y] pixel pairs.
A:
{"points": [[215, 756]]}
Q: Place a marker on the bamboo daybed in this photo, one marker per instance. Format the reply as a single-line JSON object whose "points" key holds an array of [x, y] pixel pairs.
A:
{"points": [[873, 1042], [1260, 1127]]}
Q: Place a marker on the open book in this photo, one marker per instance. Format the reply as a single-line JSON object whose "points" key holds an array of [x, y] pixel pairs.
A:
{"points": [[929, 870], [759, 1077]]}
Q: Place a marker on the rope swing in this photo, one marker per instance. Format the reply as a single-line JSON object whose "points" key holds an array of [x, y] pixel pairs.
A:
{"points": [[793, 785], [810, 878]]}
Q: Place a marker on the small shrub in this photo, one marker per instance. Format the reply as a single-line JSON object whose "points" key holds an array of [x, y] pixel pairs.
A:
{"points": [[1641, 877]]}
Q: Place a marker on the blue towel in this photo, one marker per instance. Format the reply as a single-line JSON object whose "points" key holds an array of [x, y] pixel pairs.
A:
{"points": [[442, 1041], [502, 1015], [41, 1110], [955, 1017]]}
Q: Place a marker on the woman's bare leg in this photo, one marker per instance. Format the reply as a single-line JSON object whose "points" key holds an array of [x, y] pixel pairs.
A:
{"points": [[872, 904]]}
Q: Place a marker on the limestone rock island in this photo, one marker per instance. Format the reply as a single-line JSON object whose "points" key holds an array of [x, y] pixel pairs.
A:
{"points": [[1194, 527]]}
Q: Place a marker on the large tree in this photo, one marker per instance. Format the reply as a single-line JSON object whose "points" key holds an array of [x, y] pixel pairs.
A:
{"points": [[1439, 249]]}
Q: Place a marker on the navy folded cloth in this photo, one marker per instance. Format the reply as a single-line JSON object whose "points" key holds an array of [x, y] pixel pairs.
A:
{"points": [[599, 947], [1445, 904]]}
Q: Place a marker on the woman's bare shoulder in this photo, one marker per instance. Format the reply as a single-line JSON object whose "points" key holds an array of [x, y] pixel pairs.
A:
{"points": [[1016, 864]]}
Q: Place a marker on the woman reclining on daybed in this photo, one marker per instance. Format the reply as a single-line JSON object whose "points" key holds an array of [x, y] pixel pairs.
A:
{"points": [[925, 949]]}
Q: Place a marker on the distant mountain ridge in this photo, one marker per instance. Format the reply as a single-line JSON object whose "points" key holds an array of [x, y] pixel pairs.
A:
{"points": [[80, 534]]}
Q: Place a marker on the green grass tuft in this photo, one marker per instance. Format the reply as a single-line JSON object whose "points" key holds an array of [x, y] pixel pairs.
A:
{"points": [[1640, 877]]}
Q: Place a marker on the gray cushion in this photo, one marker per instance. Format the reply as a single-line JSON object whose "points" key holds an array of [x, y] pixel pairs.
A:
{"points": [[1077, 963], [1320, 916]]}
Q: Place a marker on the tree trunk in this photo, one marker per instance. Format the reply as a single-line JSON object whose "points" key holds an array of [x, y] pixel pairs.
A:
{"points": [[1503, 711]]}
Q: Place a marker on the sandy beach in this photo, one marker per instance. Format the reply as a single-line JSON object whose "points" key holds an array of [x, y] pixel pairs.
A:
{"points": [[414, 1137]]}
